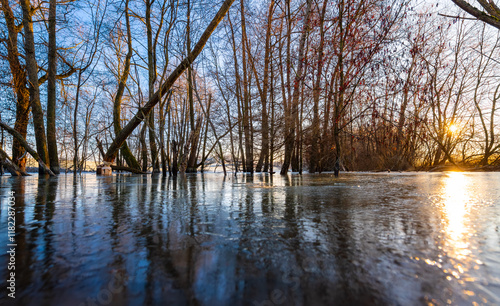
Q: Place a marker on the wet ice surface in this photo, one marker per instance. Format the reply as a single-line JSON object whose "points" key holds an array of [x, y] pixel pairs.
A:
{"points": [[391, 239]]}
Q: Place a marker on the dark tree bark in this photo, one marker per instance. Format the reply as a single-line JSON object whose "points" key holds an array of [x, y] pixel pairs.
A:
{"points": [[247, 126], [32, 67], [264, 154], [75, 122], [175, 158], [195, 128], [51, 90], [151, 83], [144, 148], [238, 99], [19, 83]]}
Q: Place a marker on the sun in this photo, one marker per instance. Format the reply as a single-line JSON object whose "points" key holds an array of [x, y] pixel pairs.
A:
{"points": [[453, 128]]}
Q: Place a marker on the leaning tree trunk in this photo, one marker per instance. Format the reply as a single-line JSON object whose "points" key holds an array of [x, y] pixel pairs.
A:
{"points": [[27, 147], [8, 164], [121, 136]]}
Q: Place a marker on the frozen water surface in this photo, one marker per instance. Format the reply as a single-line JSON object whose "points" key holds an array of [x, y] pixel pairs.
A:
{"points": [[387, 239]]}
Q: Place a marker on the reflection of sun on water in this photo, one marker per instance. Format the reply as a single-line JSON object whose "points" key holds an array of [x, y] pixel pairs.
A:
{"points": [[455, 219], [457, 197], [455, 208]]}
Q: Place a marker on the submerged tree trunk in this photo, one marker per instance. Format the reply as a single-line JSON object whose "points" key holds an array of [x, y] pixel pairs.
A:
{"points": [[164, 110], [264, 154], [75, 122], [126, 153], [191, 164], [246, 97], [175, 158], [151, 83], [314, 154], [32, 68], [51, 90], [238, 100], [144, 148], [6, 162]]}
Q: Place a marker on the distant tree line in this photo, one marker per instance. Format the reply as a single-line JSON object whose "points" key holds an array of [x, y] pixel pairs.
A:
{"points": [[168, 86]]}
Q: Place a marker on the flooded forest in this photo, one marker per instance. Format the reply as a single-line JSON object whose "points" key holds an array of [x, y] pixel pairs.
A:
{"points": [[251, 86], [249, 152]]}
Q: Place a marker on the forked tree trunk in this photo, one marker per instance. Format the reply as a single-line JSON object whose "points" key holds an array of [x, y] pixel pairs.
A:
{"points": [[126, 153]]}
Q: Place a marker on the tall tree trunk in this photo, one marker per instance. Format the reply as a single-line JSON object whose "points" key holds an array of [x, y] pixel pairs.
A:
{"points": [[193, 155], [264, 154], [314, 154], [246, 96], [144, 147], [205, 136], [326, 136], [271, 97], [339, 105], [163, 111], [75, 122], [32, 68], [175, 158], [19, 83], [51, 90], [290, 115], [239, 97], [191, 164], [151, 83], [6, 162], [126, 153]]}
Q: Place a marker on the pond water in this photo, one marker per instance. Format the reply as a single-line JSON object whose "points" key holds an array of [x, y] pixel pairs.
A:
{"points": [[391, 239]]}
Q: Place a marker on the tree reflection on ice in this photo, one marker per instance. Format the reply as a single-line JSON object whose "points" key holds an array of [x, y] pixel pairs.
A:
{"points": [[258, 240]]}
